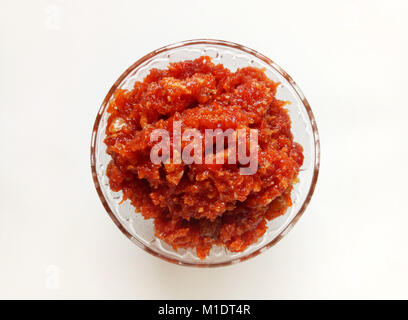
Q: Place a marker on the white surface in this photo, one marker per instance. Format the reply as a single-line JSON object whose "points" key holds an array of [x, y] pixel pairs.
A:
{"points": [[59, 58]]}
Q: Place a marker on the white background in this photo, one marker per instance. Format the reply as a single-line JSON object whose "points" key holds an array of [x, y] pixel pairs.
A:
{"points": [[59, 58]]}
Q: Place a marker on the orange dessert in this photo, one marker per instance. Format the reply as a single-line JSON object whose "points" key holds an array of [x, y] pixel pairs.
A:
{"points": [[201, 205]]}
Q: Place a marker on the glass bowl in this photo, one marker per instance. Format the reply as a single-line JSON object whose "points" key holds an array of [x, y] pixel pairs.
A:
{"points": [[232, 56]]}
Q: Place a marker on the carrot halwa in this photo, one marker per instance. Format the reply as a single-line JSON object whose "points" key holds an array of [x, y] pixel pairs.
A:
{"points": [[201, 205]]}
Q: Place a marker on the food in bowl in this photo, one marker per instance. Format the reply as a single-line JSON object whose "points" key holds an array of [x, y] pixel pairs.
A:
{"points": [[198, 204]]}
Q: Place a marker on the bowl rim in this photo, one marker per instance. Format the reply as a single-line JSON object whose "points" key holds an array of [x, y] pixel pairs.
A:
{"points": [[229, 45]]}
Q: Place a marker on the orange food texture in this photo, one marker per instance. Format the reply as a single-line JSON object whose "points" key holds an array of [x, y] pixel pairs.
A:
{"points": [[201, 205]]}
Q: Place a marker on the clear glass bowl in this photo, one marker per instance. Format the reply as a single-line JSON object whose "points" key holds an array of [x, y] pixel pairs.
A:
{"points": [[232, 56]]}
